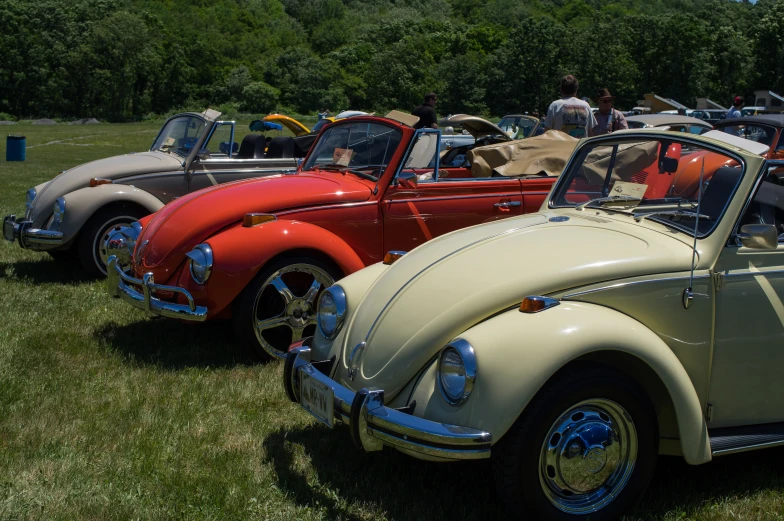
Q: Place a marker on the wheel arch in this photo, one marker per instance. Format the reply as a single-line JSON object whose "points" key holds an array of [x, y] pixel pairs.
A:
{"points": [[81, 205]]}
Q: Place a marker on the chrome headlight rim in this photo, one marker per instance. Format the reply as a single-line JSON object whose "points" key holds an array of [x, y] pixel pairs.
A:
{"points": [[465, 351], [58, 211], [200, 260], [338, 297]]}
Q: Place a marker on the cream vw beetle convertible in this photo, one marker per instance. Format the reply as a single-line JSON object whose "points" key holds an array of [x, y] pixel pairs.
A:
{"points": [[639, 312], [72, 215]]}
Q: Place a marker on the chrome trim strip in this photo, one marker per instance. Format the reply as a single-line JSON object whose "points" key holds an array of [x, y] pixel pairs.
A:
{"points": [[752, 273], [327, 207], [630, 283], [385, 426], [449, 197], [437, 261], [116, 286], [217, 171], [747, 448]]}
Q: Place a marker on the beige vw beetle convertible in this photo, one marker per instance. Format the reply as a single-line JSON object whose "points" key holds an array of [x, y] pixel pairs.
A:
{"points": [[638, 313], [72, 215]]}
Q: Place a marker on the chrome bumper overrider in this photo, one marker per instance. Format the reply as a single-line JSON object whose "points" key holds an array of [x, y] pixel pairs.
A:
{"points": [[374, 425], [117, 287], [23, 231]]}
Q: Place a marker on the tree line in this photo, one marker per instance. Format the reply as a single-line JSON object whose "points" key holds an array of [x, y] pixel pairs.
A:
{"points": [[122, 60]]}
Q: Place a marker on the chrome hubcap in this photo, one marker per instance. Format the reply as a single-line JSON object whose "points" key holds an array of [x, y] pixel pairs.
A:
{"points": [[588, 456], [102, 259], [285, 308]]}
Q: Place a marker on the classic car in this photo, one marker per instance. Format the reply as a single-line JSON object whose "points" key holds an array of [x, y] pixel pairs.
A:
{"points": [[475, 132], [297, 128], [71, 216], [520, 126], [573, 345], [675, 122], [767, 129], [262, 251], [711, 116]]}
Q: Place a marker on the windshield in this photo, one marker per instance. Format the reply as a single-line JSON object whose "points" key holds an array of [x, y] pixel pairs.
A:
{"points": [[517, 127], [645, 175], [320, 123], [759, 133], [360, 146], [179, 135]]}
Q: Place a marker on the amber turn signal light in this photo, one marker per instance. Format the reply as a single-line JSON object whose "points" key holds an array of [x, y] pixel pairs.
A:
{"points": [[392, 256], [97, 181], [537, 304], [254, 219]]}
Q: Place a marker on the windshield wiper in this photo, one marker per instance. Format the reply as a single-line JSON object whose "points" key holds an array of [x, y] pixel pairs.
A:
{"points": [[343, 169], [676, 213], [609, 199]]}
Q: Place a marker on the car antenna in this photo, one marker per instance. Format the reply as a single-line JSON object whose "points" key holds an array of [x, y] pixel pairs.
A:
{"points": [[688, 293]]}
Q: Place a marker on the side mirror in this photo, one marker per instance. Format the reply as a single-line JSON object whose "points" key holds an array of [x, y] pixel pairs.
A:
{"points": [[203, 154], [407, 180], [759, 236]]}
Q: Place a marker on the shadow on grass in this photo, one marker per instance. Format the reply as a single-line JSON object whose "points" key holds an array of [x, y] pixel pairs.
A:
{"points": [[402, 487], [45, 271], [170, 344], [387, 482]]}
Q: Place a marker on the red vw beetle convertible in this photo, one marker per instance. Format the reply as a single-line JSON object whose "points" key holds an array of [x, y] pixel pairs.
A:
{"points": [[261, 251]]}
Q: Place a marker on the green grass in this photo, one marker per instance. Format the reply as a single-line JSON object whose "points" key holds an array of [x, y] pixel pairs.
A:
{"points": [[105, 414]]}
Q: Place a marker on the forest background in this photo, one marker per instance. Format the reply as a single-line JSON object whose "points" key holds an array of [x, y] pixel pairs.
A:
{"points": [[126, 60]]}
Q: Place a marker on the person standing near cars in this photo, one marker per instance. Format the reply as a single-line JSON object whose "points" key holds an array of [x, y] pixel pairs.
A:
{"points": [[607, 118], [427, 112], [569, 114], [735, 112]]}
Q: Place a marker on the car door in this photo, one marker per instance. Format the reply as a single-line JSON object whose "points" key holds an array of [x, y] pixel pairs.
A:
{"points": [[216, 164], [746, 385], [441, 200]]}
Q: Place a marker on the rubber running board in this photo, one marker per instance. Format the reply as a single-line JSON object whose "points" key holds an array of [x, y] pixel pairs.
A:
{"points": [[730, 440]]}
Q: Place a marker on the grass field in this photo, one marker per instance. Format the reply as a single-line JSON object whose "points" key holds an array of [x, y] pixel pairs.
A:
{"points": [[105, 414]]}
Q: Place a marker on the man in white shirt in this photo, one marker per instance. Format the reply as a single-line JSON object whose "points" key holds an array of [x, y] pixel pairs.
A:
{"points": [[569, 114]]}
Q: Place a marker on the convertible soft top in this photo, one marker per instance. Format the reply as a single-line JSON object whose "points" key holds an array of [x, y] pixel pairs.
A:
{"points": [[541, 155]]}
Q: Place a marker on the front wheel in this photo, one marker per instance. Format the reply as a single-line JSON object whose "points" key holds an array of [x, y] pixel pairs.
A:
{"points": [[92, 239], [278, 307], [584, 449]]}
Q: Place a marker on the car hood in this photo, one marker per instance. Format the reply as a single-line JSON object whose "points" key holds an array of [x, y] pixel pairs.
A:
{"points": [[176, 228], [114, 168], [475, 126], [437, 291]]}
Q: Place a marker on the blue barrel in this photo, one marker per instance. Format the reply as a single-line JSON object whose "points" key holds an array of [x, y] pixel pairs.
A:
{"points": [[15, 148]]}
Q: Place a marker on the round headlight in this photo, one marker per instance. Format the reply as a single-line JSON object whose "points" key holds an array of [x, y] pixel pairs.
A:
{"points": [[456, 371], [30, 198], [58, 211], [200, 262], [331, 311]]}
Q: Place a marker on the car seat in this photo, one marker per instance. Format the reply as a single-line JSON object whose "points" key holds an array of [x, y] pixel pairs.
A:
{"points": [[252, 147], [281, 147]]}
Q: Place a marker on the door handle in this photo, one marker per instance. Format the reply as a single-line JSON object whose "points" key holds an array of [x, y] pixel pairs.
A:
{"points": [[508, 204]]}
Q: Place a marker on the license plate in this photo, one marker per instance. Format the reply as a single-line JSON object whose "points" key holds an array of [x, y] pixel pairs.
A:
{"points": [[317, 398], [8, 229]]}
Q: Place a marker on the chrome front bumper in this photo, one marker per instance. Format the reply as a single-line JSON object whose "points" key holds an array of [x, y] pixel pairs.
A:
{"points": [[116, 285], [23, 231], [374, 425]]}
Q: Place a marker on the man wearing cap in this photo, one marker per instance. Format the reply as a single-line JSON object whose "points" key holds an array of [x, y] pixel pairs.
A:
{"points": [[427, 112], [735, 112], [607, 118]]}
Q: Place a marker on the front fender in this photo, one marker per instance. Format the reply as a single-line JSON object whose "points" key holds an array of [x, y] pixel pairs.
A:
{"points": [[81, 204], [518, 353], [239, 253]]}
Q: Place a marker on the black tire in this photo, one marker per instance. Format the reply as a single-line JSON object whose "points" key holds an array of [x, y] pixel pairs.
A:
{"points": [[260, 301], [89, 243], [525, 476]]}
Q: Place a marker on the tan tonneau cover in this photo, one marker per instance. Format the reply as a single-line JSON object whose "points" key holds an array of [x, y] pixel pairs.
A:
{"points": [[541, 155]]}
